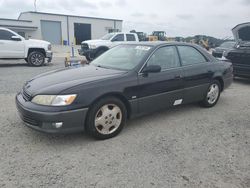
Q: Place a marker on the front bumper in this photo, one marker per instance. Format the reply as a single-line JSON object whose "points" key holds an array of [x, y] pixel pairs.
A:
{"points": [[49, 55], [242, 70], [72, 121]]}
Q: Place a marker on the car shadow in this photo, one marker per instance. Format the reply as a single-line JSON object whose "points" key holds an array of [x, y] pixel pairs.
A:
{"points": [[82, 138], [7, 65]]}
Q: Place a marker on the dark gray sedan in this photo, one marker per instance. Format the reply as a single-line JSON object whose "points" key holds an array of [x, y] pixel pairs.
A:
{"points": [[125, 82]]}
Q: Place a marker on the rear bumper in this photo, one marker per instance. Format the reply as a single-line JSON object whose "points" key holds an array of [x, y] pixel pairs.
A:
{"points": [[227, 82], [72, 121]]}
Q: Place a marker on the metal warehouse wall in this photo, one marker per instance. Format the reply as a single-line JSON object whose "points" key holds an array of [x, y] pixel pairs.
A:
{"points": [[98, 26]]}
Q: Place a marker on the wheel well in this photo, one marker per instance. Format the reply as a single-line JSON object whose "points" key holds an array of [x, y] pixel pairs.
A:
{"points": [[221, 82], [36, 50], [105, 48], [120, 97]]}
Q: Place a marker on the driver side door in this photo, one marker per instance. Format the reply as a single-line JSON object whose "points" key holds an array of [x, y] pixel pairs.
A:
{"points": [[165, 88], [10, 48]]}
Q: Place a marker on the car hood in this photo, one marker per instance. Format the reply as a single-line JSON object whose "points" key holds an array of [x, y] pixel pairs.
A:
{"points": [[241, 32], [55, 82], [35, 41]]}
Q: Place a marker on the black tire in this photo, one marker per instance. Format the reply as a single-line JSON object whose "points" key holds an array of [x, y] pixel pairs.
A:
{"points": [[207, 102], [88, 58], [99, 52], [36, 59], [92, 128]]}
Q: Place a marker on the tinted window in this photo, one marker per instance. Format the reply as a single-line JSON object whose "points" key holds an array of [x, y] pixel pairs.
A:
{"points": [[124, 57], [166, 57], [190, 55], [119, 37], [130, 37], [5, 35]]}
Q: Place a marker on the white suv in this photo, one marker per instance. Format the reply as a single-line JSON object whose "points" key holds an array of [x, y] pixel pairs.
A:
{"points": [[14, 46], [94, 48]]}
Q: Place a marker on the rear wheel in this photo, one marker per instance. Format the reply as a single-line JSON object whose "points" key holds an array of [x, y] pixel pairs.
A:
{"points": [[36, 59], [212, 95], [106, 118]]}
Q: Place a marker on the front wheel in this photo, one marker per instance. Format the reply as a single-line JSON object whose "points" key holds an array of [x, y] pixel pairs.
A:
{"points": [[106, 118], [212, 95], [36, 59]]}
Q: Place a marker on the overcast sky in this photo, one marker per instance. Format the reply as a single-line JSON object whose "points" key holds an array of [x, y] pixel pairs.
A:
{"points": [[176, 17]]}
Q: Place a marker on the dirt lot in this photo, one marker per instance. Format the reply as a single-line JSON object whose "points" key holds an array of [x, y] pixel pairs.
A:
{"points": [[187, 146]]}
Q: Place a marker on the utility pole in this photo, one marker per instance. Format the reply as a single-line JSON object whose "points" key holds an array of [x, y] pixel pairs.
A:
{"points": [[35, 5]]}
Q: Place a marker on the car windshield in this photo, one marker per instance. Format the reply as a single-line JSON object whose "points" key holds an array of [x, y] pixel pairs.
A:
{"points": [[122, 57], [108, 36], [227, 44]]}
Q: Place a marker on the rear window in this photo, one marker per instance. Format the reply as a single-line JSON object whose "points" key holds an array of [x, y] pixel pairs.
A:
{"points": [[190, 56], [130, 37]]}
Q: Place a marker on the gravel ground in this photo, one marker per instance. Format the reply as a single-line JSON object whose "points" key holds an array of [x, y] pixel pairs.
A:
{"points": [[187, 146]]}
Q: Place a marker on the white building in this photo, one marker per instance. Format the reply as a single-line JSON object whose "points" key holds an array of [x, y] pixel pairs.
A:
{"points": [[60, 28]]}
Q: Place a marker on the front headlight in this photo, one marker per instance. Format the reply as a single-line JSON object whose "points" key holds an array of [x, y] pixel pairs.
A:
{"points": [[54, 100], [49, 47], [91, 46]]}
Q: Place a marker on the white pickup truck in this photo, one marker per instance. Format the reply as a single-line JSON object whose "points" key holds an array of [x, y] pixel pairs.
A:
{"points": [[93, 48], [14, 46]]}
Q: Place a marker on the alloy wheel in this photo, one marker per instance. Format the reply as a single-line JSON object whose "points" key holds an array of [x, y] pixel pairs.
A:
{"points": [[213, 94], [108, 119]]}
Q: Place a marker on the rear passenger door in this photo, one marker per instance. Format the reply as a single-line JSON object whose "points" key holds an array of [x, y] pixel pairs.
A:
{"points": [[196, 73], [163, 89]]}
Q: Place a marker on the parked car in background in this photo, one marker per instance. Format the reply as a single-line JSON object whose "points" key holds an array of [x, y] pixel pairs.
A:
{"points": [[240, 54], [14, 46], [127, 81], [94, 48], [225, 46]]}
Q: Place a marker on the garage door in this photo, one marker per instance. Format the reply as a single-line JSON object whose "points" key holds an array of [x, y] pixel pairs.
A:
{"points": [[51, 31], [82, 32]]}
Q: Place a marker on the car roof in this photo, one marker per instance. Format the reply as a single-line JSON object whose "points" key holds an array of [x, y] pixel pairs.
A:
{"points": [[159, 43]]}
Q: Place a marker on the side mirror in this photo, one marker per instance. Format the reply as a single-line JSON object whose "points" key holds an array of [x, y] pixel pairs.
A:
{"points": [[152, 69], [16, 38]]}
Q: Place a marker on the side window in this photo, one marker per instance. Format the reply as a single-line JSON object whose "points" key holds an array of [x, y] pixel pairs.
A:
{"points": [[119, 37], [190, 55], [166, 57], [5, 35], [130, 37]]}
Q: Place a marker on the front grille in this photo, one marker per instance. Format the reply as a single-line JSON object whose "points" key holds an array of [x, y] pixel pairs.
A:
{"points": [[85, 46], [26, 95]]}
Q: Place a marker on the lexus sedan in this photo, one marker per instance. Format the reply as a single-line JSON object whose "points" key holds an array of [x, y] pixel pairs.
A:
{"points": [[127, 81]]}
